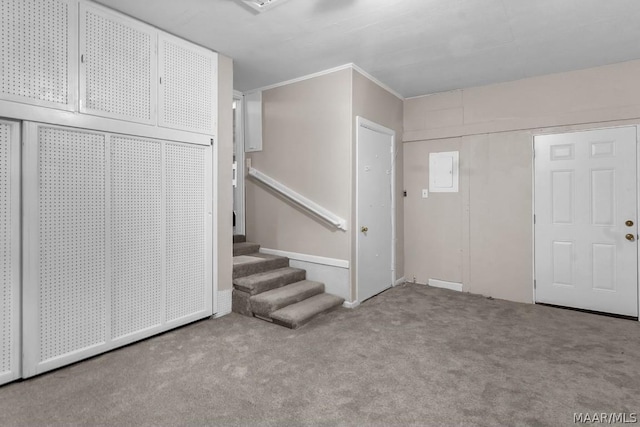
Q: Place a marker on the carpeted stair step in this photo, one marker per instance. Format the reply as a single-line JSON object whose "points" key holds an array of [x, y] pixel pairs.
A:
{"points": [[267, 302], [239, 238], [268, 280], [296, 315], [246, 265], [245, 248]]}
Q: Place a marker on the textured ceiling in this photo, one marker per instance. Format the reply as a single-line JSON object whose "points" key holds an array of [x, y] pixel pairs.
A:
{"points": [[414, 46]]}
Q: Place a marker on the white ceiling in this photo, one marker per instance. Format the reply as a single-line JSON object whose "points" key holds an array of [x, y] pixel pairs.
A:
{"points": [[414, 46]]}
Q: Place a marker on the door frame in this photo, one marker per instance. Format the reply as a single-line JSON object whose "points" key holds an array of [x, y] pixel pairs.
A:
{"points": [[533, 197], [362, 122], [238, 97]]}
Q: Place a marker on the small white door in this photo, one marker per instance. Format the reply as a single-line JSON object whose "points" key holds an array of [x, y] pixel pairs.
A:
{"points": [[586, 220], [374, 208]]}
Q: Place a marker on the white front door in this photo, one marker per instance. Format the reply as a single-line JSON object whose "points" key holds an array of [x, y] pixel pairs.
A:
{"points": [[586, 220], [374, 208]]}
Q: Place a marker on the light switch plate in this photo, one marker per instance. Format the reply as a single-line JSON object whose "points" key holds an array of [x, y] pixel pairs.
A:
{"points": [[425, 193]]}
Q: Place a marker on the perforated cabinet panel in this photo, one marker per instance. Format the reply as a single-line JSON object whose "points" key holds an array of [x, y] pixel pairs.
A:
{"points": [[185, 245], [117, 245], [188, 76], [34, 50], [117, 60], [135, 235], [9, 256], [6, 296], [72, 241]]}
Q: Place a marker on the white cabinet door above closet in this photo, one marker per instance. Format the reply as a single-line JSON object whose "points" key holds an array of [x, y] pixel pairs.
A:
{"points": [[117, 66], [38, 52], [188, 76]]}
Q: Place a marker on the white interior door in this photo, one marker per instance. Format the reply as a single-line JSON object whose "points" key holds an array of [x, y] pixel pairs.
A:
{"points": [[374, 208], [586, 220]]}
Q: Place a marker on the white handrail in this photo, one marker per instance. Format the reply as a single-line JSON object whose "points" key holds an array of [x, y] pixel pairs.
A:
{"points": [[299, 199]]}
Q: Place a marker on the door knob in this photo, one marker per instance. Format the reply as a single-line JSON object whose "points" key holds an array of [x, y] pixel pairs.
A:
{"points": [[364, 229], [628, 223], [630, 237]]}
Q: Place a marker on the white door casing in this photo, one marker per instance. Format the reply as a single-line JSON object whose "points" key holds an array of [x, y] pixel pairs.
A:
{"points": [[375, 206], [585, 194], [239, 153]]}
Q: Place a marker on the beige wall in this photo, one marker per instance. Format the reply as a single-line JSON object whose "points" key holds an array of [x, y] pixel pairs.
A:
{"points": [[373, 103], [483, 235], [593, 95], [223, 252], [307, 147]]}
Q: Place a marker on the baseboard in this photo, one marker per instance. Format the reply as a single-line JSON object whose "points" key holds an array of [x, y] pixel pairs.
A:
{"points": [[400, 281], [348, 304], [445, 285], [224, 303], [334, 273], [334, 262]]}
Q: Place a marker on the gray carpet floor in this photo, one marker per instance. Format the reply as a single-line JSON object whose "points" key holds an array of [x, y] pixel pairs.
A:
{"points": [[414, 355]]}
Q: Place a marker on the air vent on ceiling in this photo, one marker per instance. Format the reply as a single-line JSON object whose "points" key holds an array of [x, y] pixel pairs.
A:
{"points": [[262, 5]]}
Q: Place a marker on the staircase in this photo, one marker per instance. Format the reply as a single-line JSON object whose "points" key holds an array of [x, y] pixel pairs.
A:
{"points": [[266, 287]]}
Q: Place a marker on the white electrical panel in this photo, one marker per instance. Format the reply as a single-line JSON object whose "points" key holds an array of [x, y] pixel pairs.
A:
{"points": [[444, 172]]}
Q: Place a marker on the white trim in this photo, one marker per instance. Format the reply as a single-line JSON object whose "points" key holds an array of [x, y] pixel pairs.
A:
{"points": [[350, 65], [302, 78], [533, 218], [333, 262], [353, 304], [367, 124], [31, 113], [445, 285], [333, 273], [299, 199], [637, 219], [378, 82], [431, 94], [240, 160], [400, 281]]}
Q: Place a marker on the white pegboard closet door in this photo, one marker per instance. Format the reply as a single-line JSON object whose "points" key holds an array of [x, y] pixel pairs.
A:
{"points": [[117, 241], [38, 42], [9, 251], [187, 93], [118, 66]]}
